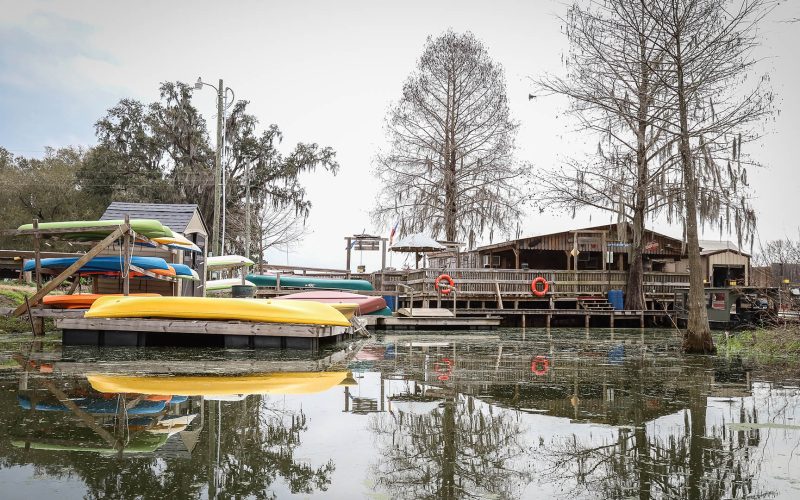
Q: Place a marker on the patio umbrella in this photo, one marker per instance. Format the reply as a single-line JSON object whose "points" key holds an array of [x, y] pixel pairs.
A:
{"points": [[417, 243]]}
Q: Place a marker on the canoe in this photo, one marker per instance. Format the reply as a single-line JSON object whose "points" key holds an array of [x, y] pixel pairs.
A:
{"points": [[108, 263], [262, 311], [223, 261], [148, 227], [225, 284], [81, 300], [306, 282], [262, 383], [367, 304]]}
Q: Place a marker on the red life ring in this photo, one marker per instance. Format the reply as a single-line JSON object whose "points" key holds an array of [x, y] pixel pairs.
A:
{"points": [[545, 286], [444, 368], [444, 290], [540, 365]]}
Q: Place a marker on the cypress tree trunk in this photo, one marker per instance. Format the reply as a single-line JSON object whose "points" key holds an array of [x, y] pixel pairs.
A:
{"points": [[697, 338]]}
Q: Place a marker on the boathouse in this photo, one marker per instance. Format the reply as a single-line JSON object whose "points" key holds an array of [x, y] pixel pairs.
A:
{"points": [[597, 248], [724, 264], [184, 219]]}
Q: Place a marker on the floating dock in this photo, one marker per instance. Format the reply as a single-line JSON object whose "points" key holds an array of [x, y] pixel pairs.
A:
{"points": [[434, 323]]}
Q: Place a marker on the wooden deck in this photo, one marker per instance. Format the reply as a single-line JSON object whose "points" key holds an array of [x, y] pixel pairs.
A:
{"points": [[433, 323]]}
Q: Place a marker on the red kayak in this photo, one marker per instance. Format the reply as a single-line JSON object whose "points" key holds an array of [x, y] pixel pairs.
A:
{"points": [[366, 303]]}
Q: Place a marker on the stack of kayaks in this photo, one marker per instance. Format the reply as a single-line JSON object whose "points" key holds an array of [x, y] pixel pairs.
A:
{"points": [[366, 304], [82, 300], [292, 281], [261, 311], [150, 228]]}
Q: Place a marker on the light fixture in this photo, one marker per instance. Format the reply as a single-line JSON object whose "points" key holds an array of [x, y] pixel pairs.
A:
{"points": [[198, 84]]}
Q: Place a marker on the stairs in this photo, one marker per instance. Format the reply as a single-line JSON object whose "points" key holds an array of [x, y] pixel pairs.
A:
{"points": [[593, 303]]}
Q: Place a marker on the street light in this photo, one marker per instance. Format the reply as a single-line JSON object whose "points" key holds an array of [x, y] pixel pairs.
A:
{"points": [[221, 93]]}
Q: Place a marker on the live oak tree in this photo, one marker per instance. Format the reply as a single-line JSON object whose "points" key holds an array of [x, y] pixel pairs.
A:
{"points": [[161, 152], [449, 169], [612, 86]]}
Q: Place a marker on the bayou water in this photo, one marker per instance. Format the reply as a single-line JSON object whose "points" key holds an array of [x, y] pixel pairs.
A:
{"points": [[567, 414]]}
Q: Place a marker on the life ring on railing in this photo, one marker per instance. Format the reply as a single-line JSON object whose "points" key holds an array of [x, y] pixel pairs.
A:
{"points": [[444, 290], [535, 289], [444, 368], [540, 365]]}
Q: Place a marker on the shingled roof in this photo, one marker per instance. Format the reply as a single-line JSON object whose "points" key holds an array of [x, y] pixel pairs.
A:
{"points": [[176, 216]]}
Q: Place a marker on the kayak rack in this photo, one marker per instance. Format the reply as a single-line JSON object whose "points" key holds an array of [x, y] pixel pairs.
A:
{"points": [[123, 231]]}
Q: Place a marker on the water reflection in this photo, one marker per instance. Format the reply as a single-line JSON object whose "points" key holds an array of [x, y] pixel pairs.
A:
{"points": [[406, 416]]}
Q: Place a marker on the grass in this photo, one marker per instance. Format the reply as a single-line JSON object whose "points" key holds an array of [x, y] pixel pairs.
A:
{"points": [[776, 343], [12, 294]]}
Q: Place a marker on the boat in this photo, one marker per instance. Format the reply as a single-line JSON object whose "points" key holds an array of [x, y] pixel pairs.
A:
{"points": [[81, 300], [150, 228], [96, 406], [292, 281], [347, 310], [262, 311], [366, 304], [99, 264], [225, 284], [211, 386], [223, 261]]}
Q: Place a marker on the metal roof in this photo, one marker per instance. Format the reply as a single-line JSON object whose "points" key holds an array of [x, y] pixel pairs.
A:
{"points": [[175, 215]]}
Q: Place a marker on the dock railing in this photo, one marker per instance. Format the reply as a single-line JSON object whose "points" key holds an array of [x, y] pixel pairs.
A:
{"points": [[517, 283]]}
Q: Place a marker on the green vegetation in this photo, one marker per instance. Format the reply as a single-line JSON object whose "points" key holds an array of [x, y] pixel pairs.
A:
{"points": [[773, 343]]}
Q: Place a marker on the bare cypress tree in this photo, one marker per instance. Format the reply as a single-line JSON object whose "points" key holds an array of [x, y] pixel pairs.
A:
{"points": [[709, 47], [450, 169], [613, 89]]}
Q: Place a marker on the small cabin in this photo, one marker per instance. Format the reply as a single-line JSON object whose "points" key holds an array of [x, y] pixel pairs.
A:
{"points": [[184, 219], [724, 264]]}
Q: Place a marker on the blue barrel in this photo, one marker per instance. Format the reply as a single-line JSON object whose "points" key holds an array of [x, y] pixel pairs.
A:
{"points": [[391, 302], [616, 299]]}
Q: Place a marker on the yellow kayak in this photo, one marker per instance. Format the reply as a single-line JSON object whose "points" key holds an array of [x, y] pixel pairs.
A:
{"points": [[264, 383], [256, 310], [347, 310]]}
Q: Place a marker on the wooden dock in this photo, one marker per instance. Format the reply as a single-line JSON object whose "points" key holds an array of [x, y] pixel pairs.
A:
{"points": [[434, 323], [142, 332]]}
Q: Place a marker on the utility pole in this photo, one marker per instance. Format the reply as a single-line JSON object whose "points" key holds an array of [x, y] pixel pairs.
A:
{"points": [[218, 171], [247, 209]]}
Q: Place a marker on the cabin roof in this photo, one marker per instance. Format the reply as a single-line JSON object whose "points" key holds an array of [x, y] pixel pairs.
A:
{"points": [[676, 243], [180, 217]]}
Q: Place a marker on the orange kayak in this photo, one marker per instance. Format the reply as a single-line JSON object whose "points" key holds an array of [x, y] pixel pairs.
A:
{"points": [[81, 300]]}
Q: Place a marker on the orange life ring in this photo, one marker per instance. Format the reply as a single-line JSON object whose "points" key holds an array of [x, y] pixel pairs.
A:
{"points": [[540, 365], [447, 289], [545, 287]]}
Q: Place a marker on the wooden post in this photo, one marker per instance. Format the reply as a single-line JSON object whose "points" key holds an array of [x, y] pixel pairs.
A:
{"points": [[66, 273], [611, 321], [37, 254], [547, 318], [586, 321], [127, 254], [499, 296], [278, 282], [349, 244], [516, 255]]}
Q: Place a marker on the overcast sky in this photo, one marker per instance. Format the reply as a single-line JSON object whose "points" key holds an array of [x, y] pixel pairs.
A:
{"points": [[326, 72]]}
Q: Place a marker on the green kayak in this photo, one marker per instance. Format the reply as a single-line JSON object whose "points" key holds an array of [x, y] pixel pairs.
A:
{"points": [[307, 282], [148, 227], [141, 442]]}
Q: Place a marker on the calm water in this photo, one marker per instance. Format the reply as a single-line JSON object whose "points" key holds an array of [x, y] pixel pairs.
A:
{"points": [[570, 415]]}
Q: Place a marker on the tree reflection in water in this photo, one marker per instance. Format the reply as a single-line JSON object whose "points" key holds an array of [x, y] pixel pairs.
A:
{"points": [[462, 449], [257, 447], [689, 459]]}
